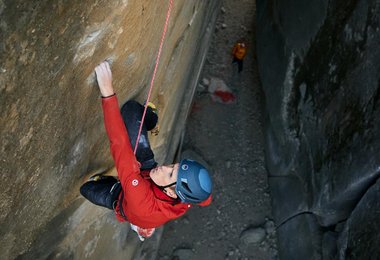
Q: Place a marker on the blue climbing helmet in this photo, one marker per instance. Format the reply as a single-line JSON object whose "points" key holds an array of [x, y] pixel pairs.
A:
{"points": [[194, 184]]}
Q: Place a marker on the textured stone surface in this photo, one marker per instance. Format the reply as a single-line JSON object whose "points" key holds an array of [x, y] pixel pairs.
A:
{"points": [[361, 235], [52, 133], [319, 66], [300, 238]]}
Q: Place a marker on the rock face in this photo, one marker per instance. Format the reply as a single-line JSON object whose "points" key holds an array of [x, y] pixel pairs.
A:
{"points": [[52, 133], [319, 64]]}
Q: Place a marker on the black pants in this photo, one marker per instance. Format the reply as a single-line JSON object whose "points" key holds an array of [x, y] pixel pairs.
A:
{"points": [[132, 112], [240, 64], [105, 191]]}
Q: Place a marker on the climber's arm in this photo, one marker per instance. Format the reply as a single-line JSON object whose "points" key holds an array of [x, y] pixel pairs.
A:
{"points": [[121, 149]]}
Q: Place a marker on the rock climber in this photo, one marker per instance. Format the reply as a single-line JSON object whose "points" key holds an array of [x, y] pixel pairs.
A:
{"points": [[144, 194], [238, 53]]}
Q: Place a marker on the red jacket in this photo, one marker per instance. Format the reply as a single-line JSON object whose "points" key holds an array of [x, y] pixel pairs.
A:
{"points": [[144, 204]]}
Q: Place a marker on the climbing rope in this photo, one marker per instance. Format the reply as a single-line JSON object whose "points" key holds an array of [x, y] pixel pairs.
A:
{"points": [[154, 72]]}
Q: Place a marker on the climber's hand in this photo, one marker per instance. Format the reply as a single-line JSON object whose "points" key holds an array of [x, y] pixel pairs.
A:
{"points": [[145, 232], [104, 77]]}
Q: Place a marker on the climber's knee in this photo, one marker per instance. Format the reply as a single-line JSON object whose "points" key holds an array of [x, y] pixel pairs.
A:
{"points": [[99, 192], [132, 106]]}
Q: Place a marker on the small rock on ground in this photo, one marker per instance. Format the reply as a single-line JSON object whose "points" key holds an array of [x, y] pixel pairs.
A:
{"points": [[253, 235], [183, 254]]}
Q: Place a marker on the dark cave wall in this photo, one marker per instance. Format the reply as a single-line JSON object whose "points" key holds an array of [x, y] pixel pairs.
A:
{"points": [[319, 63]]}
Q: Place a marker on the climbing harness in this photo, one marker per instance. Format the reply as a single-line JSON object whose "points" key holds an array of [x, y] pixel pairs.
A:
{"points": [[154, 72]]}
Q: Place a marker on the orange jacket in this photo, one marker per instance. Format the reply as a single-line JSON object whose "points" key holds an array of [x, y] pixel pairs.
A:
{"points": [[142, 204], [239, 51]]}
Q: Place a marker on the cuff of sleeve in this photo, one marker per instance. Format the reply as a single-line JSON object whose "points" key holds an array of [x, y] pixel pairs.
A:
{"points": [[114, 94]]}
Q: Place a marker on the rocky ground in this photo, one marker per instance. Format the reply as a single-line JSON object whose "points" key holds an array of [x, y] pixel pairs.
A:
{"points": [[229, 138]]}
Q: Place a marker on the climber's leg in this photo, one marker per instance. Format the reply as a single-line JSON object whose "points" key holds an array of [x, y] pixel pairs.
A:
{"points": [[132, 112], [101, 190]]}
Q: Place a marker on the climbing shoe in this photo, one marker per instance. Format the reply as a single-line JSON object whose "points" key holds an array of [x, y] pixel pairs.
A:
{"points": [[153, 107], [155, 131]]}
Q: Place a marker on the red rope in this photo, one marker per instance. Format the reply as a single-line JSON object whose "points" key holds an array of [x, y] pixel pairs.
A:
{"points": [[154, 72]]}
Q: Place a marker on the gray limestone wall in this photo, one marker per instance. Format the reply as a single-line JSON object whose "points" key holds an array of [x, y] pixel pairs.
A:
{"points": [[52, 133], [319, 63]]}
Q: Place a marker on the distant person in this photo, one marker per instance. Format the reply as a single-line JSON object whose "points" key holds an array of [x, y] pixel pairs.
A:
{"points": [[145, 195], [238, 53]]}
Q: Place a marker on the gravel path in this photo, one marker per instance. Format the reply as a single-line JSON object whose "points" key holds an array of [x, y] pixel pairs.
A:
{"points": [[229, 137]]}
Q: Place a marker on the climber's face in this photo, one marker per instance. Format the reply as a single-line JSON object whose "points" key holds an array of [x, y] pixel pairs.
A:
{"points": [[164, 176]]}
